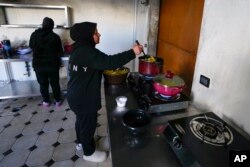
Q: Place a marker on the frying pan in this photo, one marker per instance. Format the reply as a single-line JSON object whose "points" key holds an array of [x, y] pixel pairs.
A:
{"points": [[136, 121]]}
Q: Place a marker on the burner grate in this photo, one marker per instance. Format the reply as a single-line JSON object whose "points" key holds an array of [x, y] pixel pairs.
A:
{"points": [[211, 131], [166, 98], [149, 99]]}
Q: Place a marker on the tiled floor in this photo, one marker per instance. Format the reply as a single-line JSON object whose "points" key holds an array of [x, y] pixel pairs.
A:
{"points": [[36, 136]]}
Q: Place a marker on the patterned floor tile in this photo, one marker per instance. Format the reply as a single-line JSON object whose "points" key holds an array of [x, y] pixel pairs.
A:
{"points": [[67, 136], [102, 130], [102, 111], [15, 159], [24, 142], [64, 151], [40, 117], [52, 126], [35, 136], [57, 116], [47, 139], [80, 163], [5, 120], [40, 156], [69, 123], [102, 119], [66, 163], [12, 130], [33, 128], [21, 119], [6, 143]]}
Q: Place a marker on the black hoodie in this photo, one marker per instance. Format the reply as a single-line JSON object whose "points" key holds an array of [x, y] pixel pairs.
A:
{"points": [[47, 50], [86, 64]]}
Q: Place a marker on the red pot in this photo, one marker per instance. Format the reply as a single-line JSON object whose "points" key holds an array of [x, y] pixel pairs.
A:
{"points": [[68, 48], [168, 84], [150, 68], [167, 91]]}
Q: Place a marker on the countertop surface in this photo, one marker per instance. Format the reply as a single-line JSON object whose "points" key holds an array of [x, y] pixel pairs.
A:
{"points": [[148, 150], [25, 57]]}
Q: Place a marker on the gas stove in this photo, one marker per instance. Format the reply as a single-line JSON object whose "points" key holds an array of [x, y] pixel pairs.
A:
{"points": [[149, 99], [204, 140]]}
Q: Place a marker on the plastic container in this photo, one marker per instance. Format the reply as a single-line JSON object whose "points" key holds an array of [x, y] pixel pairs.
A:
{"points": [[7, 51], [121, 101]]}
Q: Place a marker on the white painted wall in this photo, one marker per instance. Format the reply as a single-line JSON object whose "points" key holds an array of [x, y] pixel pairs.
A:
{"points": [[117, 22], [224, 57]]}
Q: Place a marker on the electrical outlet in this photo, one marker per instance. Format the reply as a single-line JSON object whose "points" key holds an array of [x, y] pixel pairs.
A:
{"points": [[205, 81]]}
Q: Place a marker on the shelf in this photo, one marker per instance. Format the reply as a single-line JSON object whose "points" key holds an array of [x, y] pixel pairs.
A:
{"points": [[4, 22], [29, 26]]}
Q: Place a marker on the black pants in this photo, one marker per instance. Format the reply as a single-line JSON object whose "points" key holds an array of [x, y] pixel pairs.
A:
{"points": [[46, 78], [85, 127]]}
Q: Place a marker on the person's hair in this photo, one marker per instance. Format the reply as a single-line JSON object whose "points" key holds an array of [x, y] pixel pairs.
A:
{"points": [[48, 24]]}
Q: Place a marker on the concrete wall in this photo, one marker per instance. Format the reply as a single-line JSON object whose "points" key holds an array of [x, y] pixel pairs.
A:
{"points": [[119, 22], [224, 57]]}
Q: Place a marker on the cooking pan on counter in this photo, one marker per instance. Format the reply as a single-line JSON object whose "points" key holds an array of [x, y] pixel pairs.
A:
{"points": [[137, 121]]}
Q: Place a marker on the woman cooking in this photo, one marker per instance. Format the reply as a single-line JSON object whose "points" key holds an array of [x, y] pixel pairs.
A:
{"points": [[86, 64]]}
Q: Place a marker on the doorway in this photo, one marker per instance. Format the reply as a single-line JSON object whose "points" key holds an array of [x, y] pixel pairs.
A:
{"points": [[178, 37]]}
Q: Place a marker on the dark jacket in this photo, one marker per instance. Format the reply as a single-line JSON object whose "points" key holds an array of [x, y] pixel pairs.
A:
{"points": [[47, 50], [86, 64]]}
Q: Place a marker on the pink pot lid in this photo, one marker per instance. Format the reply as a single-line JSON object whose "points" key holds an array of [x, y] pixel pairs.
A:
{"points": [[175, 81]]}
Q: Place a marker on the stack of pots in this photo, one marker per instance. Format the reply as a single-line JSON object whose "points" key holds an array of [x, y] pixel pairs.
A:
{"points": [[167, 84]]}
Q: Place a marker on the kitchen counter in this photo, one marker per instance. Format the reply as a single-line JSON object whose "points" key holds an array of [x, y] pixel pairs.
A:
{"points": [[148, 150], [13, 89], [26, 57]]}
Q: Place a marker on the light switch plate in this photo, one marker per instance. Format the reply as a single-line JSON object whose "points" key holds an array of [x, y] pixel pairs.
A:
{"points": [[205, 81]]}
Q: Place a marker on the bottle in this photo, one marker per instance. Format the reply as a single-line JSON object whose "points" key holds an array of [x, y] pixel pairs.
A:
{"points": [[7, 52], [1, 48]]}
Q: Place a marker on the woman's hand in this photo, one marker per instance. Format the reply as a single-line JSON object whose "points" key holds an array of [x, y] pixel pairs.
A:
{"points": [[137, 49]]}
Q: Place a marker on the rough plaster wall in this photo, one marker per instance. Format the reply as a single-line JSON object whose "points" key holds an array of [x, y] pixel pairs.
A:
{"points": [[224, 57], [147, 21], [115, 20], [153, 27]]}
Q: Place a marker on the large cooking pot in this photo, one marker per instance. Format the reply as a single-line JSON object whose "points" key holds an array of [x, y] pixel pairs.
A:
{"points": [[136, 121], [168, 84], [117, 76], [150, 65]]}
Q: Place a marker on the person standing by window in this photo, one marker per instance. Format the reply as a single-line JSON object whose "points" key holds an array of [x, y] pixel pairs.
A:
{"points": [[47, 52]]}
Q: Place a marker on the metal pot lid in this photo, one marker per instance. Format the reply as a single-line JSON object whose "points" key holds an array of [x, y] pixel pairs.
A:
{"points": [[169, 81]]}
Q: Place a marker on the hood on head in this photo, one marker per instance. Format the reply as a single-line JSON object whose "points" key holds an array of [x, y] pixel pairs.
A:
{"points": [[83, 33], [48, 24]]}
